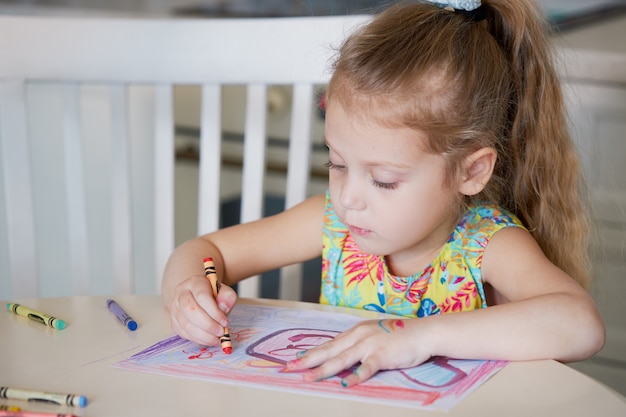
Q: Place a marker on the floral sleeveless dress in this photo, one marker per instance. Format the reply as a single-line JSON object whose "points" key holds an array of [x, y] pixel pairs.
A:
{"points": [[451, 283]]}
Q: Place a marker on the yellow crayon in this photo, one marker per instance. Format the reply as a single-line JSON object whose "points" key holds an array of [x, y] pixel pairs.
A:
{"points": [[42, 318], [9, 408], [211, 274]]}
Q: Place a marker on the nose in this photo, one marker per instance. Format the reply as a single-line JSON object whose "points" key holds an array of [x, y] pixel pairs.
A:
{"points": [[351, 194]]}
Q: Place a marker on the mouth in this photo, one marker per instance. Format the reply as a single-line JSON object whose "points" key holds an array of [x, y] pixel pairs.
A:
{"points": [[359, 231]]}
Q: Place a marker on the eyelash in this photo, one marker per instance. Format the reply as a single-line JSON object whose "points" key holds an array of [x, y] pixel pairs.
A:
{"points": [[385, 185], [378, 184], [331, 165]]}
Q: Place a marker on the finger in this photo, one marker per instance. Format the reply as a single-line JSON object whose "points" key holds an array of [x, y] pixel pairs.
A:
{"points": [[307, 359], [226, 299], [192, 321], [331, 367], [204, 300], [187, 330], [325, 351], [361, 374]]}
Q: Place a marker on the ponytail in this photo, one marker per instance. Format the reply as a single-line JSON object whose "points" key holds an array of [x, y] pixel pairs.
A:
{"points": [[544, 176]]}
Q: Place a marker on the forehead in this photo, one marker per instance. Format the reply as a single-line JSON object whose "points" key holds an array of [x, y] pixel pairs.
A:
{"points": [[415, 102], [357, 132]]}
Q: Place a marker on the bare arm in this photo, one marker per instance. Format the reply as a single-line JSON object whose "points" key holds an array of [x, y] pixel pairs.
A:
{"points": [[238, 252], [548, 315]]}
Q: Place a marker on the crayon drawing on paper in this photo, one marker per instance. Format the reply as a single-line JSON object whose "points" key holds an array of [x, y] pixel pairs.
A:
{"points": [[264, 338]]}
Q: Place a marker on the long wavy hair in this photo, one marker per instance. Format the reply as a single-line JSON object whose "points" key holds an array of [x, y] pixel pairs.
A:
{"points": [[467, 84]]}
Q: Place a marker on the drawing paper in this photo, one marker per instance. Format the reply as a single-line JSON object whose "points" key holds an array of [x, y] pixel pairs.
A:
{"points": [[264, 338]]}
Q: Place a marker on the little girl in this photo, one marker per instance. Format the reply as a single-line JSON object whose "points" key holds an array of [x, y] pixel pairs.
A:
{"points": [[453, 188]]}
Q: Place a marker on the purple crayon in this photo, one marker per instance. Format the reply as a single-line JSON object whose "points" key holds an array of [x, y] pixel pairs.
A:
{"points": [[122, 315]]}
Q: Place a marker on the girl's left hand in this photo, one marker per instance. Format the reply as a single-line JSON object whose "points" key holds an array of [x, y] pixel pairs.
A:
{"points": [[375, 344]]}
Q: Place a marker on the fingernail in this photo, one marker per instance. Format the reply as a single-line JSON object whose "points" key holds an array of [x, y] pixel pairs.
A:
{"points": [[300, 354], [223, 308], [344, 383]]}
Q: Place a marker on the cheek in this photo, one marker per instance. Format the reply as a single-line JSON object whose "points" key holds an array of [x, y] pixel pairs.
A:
{"points": [[334, 187], [398, 214]]}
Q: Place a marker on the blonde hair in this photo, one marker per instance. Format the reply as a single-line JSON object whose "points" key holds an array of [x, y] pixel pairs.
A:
{"points": [[470, 84]]}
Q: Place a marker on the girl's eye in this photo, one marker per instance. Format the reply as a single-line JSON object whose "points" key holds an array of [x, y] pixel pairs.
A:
{"points": [[378, 184], [331, 165], [385, 185]]}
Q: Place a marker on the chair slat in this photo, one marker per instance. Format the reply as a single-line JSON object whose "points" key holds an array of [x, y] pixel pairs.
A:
{"points": [[163, 178], [299, 144], [253, 169], [210, 159], [17, 174], [75, 190], [297, 176], [121, 191]]}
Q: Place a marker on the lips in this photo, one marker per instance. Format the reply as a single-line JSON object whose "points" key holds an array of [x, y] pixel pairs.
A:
{"points": [[359, 231]]}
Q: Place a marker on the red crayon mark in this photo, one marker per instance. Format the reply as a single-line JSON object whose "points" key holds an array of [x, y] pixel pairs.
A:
{"points": [[204, 353]]}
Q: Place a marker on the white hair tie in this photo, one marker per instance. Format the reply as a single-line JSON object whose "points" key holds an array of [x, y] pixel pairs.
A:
{"points": [[467, 5], [472, 9]]}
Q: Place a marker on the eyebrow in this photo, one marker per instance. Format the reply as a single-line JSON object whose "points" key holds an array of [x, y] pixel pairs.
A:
{"points": [[390, 164], [386, 164]]}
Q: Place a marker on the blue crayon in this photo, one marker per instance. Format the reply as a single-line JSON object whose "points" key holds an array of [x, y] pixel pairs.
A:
{"points": [[45, 397], [122, 315]]}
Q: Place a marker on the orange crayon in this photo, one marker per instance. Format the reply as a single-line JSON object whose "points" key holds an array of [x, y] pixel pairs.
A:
{"points": [[211, 274]]}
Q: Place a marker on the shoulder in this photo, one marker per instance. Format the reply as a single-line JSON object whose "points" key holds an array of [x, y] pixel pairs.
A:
{"points": [[514, 263], [482, 221], [489, 215], [516, 266]]}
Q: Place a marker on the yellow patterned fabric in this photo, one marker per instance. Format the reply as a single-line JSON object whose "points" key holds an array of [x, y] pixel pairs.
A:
{"points": [[451, 283]]}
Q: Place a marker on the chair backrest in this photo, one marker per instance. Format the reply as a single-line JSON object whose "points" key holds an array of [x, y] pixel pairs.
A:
{"points": [[87, 139]]}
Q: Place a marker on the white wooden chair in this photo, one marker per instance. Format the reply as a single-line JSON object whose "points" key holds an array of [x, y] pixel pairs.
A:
{"points": [[87, 139]]}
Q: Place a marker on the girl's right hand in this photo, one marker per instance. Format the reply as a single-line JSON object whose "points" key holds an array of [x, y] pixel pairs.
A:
{"points": [[196, 315]]}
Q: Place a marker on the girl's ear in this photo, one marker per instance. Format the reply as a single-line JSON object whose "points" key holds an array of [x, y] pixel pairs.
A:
{"points": [[477, 170]]}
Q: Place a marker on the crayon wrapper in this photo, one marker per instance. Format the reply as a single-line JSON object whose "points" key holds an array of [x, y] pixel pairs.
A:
{"points": [[58, 399]]}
